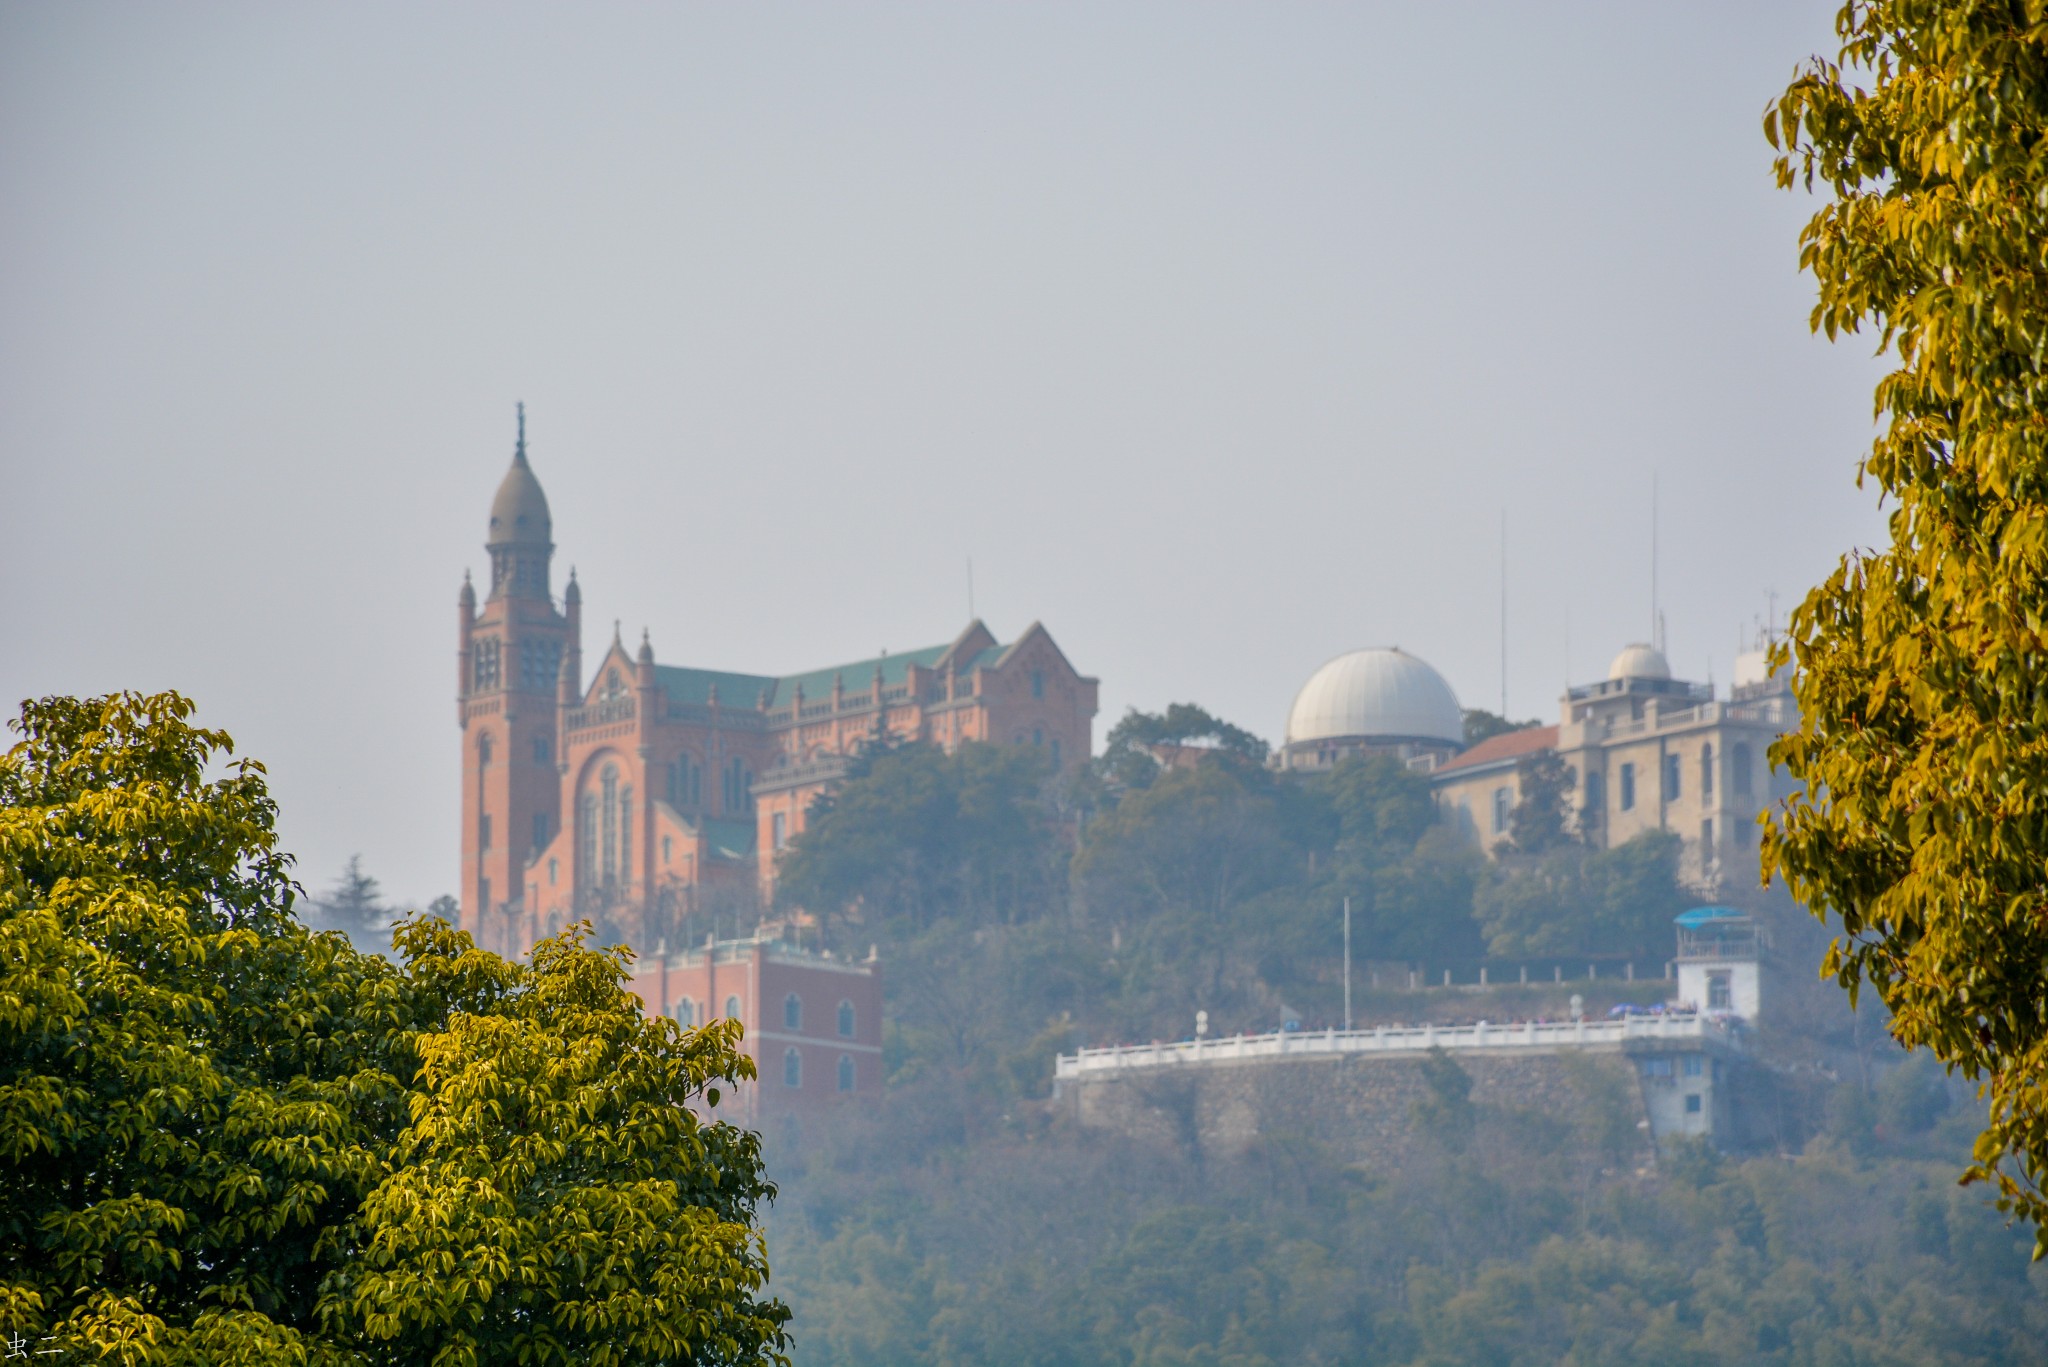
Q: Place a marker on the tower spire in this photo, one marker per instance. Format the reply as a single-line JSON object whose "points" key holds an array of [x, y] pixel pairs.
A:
{"points": [[519, 451]]}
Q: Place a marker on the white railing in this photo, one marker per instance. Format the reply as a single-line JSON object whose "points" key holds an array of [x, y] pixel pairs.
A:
{"points": [[1398, 1039]]}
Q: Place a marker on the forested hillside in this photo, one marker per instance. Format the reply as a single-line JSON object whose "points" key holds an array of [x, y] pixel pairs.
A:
{"points": [[965, 1220]]}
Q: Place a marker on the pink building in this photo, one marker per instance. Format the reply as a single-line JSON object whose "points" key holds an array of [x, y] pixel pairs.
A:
{"points": [[813, 1022]]}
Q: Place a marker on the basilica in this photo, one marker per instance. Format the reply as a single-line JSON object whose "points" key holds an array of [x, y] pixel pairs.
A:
{"points": [[633, 785]]}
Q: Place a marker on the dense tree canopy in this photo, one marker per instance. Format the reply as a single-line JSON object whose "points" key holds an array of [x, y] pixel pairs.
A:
{"points": [[228, 1139], [1922, 668]]}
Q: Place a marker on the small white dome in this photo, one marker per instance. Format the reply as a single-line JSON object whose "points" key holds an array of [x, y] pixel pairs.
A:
{"points": [[1639, 661], [1380, 693]]}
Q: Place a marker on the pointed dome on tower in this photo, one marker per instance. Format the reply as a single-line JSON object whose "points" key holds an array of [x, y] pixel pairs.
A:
{"points": [[519, 514]]}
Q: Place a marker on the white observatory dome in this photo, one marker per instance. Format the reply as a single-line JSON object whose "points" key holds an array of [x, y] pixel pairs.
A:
{"points": [[1639, 661], [1378, 693]]}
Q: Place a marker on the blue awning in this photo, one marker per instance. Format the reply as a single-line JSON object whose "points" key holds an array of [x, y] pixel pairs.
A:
{"points": [[1701, 916]]}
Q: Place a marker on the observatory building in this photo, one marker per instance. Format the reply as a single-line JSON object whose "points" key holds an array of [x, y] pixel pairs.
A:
{"points": [[1381, 701]]}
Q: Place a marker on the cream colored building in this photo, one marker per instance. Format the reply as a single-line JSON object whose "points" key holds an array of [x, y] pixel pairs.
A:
{"points": [[1645, 752]]}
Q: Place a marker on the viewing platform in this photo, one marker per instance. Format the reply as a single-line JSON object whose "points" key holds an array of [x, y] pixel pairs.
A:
{"points": [[1410, 1040]]}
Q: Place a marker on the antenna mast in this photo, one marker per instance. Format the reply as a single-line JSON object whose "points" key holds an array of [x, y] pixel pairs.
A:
{"points": [[1656, 614], [1503, 614]]}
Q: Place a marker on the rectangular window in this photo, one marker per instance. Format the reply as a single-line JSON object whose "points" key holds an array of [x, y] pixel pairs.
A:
{"points": [[1706, 771], [541, 749], [554, 868], [1692, 1104], [781, 824], [1037, 683], [1720, 993], [1628, 787], [664, 849], [483, 893], [1693, 1064], [540, 829], [1739, 756], [1707, 837], [1656, 1067], [1503, 809], [1671, 772], [483, 831]]}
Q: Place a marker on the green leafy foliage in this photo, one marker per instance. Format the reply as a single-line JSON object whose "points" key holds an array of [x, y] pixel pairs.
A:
{"points": [[232, 1140], [1131, 753], [1923, 741], [1481, 724], [1580, 901], [916, 834]]}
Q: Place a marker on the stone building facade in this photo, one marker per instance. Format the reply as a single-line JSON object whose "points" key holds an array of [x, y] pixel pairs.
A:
{"points": [[1644, 752], [630, 792]]}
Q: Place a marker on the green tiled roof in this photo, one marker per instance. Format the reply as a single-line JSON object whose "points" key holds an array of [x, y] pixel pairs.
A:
{"points": [[858, 675], [692, 687]]}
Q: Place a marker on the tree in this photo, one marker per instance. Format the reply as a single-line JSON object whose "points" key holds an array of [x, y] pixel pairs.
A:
{"points": [[1481, 724], [1542, 820], [1579, 901], [1922, 746], [354, 905], [229, 1139], [915, 834], [1130, 754]]}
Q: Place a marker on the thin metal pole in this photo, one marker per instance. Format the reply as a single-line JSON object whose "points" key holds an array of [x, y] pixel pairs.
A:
{"points": [[1347, 963]]}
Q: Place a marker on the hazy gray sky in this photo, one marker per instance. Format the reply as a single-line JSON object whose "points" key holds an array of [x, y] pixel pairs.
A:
{"points": [[1219, 336]]}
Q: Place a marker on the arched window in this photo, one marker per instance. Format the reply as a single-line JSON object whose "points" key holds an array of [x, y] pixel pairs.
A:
{"points": [[739, 783], [1707, 770], [483, 748], [608, 830], [792, 1012], [732, 1008], [685, 783], [626, 834], [846, 1072], [846, 1019], [686, 1012], [586, 841], [792, 1068]]}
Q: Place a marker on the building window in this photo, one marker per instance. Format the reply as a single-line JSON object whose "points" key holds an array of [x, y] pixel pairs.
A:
{"points": [[792, 1068], [1740, 757], [626, 834], [608, 830], [1628, 787], [780, 825], [792, 1012], [846, 1020], [739, 785], [543, 750], [845, 1072], [483, 749], [483, 831], [1593, 794], [1692, 1065], [1503, 809], [1692, 1103], [1055, 752], [1037, 683], [732, 1008], [1671, 772], [540, 829], [487, 663], [686, 1012], [1720, 993], [1707, 770], [586, 841], [1656, 1067], [483, 893], [1707, 838], [539, 663], [685, 783], [554, 867], [666, 849]]}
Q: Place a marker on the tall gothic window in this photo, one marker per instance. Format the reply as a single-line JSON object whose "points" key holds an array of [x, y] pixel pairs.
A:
{"points": [[538, 663], [685, 784], [586, 852], [739, 785], [626, 834], [608, 832]]}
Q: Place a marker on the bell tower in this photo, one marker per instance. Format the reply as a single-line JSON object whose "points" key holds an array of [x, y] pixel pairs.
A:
{"points": [[512, 653]]}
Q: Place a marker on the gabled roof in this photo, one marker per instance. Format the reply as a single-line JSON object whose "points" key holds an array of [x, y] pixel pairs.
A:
{"points": [[1504, 748]]}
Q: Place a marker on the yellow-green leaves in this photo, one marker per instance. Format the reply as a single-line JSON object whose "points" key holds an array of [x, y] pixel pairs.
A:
{"points": [[1922, 670], [227, 1140]]}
